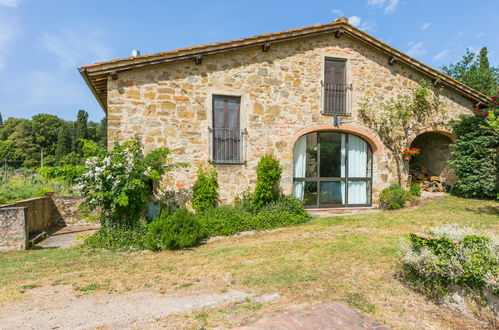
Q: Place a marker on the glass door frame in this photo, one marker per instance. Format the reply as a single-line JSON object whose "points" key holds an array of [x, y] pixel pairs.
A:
{"points": [[346, 179]]}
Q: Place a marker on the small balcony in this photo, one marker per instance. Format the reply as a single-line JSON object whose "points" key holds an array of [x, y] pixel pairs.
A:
{"points": [[335, 98], [227, 145]]}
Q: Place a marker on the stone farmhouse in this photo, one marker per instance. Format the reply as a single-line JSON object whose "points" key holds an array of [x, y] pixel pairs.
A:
{"points": [[294, 94]]}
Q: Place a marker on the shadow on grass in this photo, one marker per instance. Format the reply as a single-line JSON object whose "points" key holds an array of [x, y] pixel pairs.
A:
{"points": [[489, 210]]}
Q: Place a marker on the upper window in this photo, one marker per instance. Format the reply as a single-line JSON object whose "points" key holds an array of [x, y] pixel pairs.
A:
{"points": [[335, 87], [226, 137]]}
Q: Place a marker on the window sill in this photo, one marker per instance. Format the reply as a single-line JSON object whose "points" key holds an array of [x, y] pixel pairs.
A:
{"points": [[227, 163], [336, 114]]}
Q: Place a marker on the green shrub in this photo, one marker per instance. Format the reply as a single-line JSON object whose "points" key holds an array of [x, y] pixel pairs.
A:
{"points": [[451, 255], [394, 197], [415, 189], [286, 211], [226, 220], [66, 173], [230, 220], [475, 156], [268, 173], [177, 231], [205, 190], [117, 238]]}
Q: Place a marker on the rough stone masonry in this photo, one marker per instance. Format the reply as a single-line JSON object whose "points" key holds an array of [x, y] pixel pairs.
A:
{"points": [[170, 105]]}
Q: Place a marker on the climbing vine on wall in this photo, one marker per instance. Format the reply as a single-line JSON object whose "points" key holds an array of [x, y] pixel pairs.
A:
{"points": [[397, 121]]}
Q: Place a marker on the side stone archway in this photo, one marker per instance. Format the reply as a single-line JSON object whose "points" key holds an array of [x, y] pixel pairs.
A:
{"points": [[430, 167]]}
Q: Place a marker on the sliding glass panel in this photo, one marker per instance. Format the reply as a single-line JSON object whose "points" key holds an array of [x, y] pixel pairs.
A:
{"points": [[357, 157], [332, 151], [311, 171], [310, 194], [358, 192], [332, 193]]}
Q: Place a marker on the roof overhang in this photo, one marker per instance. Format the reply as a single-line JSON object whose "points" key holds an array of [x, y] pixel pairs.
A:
{"points": [[96, 75]]}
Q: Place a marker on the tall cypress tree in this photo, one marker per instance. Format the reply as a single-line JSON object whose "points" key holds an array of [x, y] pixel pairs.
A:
{"points": [[81, 130], [103, 132], [63, 142]]}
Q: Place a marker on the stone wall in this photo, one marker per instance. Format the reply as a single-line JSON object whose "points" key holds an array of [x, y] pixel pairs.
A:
{"points": [[66, 211], [13, 229], [39, 212], [19, 219], [170, 105]]}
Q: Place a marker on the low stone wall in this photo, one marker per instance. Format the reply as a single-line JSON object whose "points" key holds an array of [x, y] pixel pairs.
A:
{"points": [[66, 211], [39, 212], [13, 229], [19, 219]]}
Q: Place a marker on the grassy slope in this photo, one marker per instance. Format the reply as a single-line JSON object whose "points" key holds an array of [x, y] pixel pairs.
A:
{"points": [[351, 259]]}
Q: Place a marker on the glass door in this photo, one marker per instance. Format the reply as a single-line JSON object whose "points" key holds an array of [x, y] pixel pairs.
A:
{"points": [[332, 169]]}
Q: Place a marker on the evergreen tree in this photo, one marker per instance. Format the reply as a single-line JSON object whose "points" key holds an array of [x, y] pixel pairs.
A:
{"points": [[81, 130], [475, 71], [103, 132], [63, 143], [1, 119]]}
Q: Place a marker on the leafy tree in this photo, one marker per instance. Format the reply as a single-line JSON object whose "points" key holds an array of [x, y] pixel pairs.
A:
{"points": [[25, 150], [45, 131], [22, 140], [475, 71]]}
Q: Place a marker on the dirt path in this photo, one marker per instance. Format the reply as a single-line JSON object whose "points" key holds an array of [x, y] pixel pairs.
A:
{"points": [[59, 308]]}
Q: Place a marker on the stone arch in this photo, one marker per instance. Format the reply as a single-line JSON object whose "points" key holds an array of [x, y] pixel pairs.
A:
{"points": [[432, 161], [371, 139]]}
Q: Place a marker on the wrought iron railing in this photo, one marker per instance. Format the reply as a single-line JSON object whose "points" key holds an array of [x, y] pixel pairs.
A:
{"points": [[335, 98], [227, 145]]}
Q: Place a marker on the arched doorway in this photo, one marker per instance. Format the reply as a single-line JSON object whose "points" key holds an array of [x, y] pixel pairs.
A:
{"points": [[332, 169], [430, 167]]}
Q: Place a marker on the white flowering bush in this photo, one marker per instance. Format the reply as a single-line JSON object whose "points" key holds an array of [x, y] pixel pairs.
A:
{"points": [[118, 183], [452, 254]]}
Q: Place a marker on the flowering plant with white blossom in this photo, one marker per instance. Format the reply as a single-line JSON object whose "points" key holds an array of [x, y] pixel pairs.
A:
{"points": [[118, 183]]}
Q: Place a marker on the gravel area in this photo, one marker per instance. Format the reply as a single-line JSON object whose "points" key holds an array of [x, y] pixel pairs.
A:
{"points": [[59, 308]]}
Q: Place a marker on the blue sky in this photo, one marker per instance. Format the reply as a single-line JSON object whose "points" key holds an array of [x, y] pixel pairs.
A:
{"points": [[42, 42]]}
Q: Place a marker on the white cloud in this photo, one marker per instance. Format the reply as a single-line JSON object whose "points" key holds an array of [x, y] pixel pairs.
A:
{"points": [[425, 26], [8, 29], [354, 20], [375, 3], [337, 12], [440, 56], [75, 47], [389, 5], [415, 49], [363, 25], [10, 3], [479, 35]]}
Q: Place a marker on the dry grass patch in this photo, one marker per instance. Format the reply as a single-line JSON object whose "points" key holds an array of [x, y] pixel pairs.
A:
{"points": [[351, 259]]}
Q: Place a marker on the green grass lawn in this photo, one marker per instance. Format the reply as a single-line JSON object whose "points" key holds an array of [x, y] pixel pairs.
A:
{"points": [[352, 259]]}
